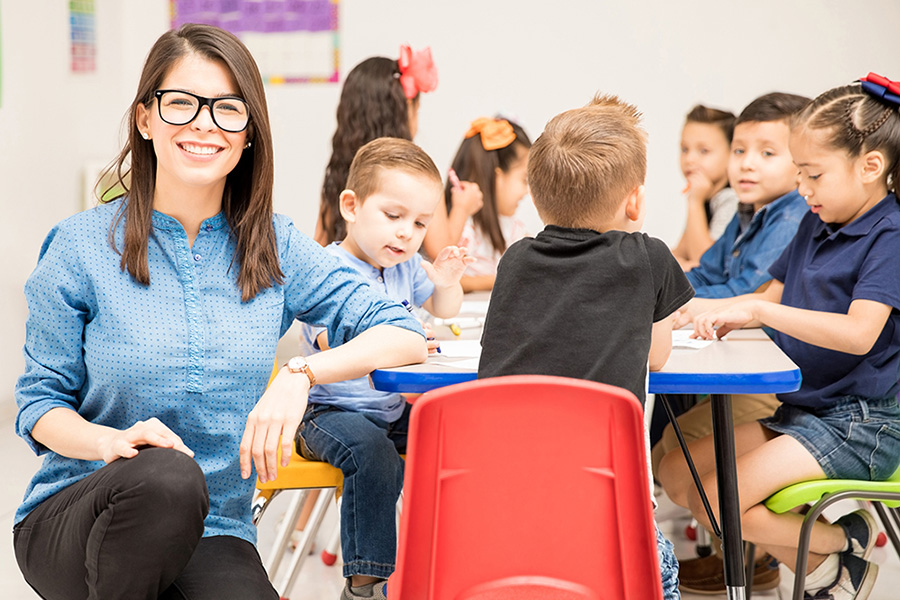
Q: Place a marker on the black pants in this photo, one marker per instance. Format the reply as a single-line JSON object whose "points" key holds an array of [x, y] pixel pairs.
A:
{"points": [[133, 530]]}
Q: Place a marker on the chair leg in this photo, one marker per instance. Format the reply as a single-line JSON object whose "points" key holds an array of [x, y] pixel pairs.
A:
{"points": [[306, 539], [890, 525], [750, 558], [283, 534]]}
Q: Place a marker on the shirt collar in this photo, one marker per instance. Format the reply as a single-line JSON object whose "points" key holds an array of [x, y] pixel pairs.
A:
{"points": [[167, 223], [360, 265], [864, 224]]}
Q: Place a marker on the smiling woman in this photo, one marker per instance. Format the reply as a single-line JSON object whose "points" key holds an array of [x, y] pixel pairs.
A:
{"points": [[156, 427]]}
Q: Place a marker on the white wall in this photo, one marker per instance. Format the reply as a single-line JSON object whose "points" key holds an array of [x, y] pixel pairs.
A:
{"points": [[527, 59]]}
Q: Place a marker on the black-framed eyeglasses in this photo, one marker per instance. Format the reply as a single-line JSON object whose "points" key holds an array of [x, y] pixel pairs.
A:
{"points": [[177, 107]]}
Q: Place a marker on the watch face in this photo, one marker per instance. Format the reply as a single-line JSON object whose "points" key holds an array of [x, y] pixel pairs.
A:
{"points": [[297, 363]]}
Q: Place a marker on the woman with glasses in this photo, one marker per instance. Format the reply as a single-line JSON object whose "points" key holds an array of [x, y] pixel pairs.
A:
{"points": [[152, 328]]}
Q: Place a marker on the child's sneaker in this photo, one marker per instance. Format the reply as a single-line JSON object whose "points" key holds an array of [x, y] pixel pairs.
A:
{"points": [[378, 592], [861, 531], [855, 580]]}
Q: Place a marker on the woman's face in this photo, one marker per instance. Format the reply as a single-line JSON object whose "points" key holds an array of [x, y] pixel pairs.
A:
{"points": [[197, 156]]}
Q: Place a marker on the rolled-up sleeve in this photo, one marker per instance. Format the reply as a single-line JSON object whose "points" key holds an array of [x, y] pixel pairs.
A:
{"points": [[321, 290], [58, 308]]}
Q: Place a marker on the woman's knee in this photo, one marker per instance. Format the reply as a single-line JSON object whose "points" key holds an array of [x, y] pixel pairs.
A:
{"points": [[170, 481]]}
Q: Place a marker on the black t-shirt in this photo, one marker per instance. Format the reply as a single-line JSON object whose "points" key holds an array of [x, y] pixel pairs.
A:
{"points": [[579, 303]]}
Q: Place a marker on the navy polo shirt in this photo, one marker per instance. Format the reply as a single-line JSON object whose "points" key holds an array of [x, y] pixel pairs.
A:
{"points": [[826, 268]]}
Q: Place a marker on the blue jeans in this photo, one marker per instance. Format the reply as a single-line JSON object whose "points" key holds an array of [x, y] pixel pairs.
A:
{"points": [[367, 451], [668, 567]]}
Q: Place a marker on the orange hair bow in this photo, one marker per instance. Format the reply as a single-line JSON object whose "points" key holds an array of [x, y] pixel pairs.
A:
{"points": [[417, 71], [495, 133]]}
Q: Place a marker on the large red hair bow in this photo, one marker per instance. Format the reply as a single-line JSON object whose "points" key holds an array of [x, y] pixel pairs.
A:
{"points": [[417, 71]]}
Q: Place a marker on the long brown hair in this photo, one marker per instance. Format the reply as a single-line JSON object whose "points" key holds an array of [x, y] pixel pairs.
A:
{"points": [[473, 163], [372, 105], [247, 199], [858, 123]]}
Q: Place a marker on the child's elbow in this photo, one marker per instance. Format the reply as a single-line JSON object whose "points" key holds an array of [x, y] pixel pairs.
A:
{"points": [[659, 358]]}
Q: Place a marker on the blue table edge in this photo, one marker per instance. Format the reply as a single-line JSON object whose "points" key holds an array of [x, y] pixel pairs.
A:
{"points": [[661, 382]]}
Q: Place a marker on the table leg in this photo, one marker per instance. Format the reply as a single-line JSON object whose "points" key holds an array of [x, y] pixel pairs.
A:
{"points": [[729, 504]]}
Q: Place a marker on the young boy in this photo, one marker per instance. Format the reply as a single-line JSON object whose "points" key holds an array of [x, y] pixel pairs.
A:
{"points": [[764, 176], [392, 191], [588, 297]]}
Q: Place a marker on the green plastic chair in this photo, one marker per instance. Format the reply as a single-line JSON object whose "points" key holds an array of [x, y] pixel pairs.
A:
{"points": [[822, 493]]}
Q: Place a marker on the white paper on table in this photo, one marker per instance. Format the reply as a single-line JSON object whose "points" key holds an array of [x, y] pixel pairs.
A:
{"points": [[467, 364], [474, 307], [681, 338], [461, 349]]}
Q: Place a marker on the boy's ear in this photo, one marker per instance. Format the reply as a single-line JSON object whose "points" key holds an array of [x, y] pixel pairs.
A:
{"points": [[350, 204], [873, 165], [635, 205]]}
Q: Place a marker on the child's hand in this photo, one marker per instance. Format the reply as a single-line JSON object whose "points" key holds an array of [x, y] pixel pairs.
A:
{"points": [[467, 197], [699, 186], [717, 323], [434, 346], [448, 267]]}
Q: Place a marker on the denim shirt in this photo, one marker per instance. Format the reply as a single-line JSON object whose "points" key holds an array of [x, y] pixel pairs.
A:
{"points": [[405, 281], [184, 349], [738, 262]]}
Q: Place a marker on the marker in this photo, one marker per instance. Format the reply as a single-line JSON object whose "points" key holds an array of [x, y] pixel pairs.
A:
{"points": [[454, 179], [409, 307], [455, 329]]}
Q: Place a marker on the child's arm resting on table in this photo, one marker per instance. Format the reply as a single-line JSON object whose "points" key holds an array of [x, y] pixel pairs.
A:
{"points": [[853, 333], [277, 415], [697, 306], [445, 272], [661, 343]]}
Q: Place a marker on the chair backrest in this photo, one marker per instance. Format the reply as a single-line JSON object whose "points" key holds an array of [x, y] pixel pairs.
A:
{"points": [[523, 487]]}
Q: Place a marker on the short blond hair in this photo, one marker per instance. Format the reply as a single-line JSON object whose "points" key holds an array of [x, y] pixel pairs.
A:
{"points": [[387, 153], [587, 161]]}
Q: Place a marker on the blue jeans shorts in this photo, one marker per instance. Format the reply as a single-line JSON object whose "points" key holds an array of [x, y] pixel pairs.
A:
{"points": [[856, 438]]}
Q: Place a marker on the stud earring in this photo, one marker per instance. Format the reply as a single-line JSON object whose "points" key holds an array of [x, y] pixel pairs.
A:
{"points": [[806, 198], [145, 135], [247, 145]]}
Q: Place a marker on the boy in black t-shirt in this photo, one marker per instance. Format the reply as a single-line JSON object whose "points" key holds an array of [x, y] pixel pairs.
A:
{"points": [[588, 297]]}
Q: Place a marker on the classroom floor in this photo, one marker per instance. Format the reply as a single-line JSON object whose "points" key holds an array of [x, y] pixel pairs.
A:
{"points": [[317, 581]]}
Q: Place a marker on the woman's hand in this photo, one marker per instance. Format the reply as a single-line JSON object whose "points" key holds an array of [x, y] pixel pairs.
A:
{"points": [[126, 443], [273, 422]]}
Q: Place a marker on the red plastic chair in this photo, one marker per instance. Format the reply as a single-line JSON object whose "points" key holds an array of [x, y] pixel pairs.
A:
{"points": [[503, 474]]}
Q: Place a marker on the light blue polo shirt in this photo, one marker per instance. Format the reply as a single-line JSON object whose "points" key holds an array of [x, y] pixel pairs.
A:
{"points": [[405, 281]]}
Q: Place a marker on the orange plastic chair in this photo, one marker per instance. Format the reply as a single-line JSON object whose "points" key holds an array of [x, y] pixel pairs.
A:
{"points": [[502, 473]]}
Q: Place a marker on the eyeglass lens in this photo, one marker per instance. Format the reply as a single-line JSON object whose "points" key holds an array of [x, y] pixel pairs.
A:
{"points": [[180, 108]]}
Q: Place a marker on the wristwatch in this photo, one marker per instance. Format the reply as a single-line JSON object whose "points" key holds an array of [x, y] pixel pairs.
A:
{"points": [[298, 364]]}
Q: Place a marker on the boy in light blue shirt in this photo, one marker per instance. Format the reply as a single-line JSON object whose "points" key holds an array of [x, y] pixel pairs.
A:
{"points": [[393, 190]]}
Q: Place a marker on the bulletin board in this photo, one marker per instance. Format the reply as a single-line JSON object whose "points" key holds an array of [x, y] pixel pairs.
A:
{"points": [[82, 30], [293, 41]]}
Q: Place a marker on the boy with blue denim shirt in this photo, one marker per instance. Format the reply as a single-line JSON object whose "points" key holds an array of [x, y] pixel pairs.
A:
{"points": [[762, 173], [393, 189], [764, 177], [588, 297]]}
